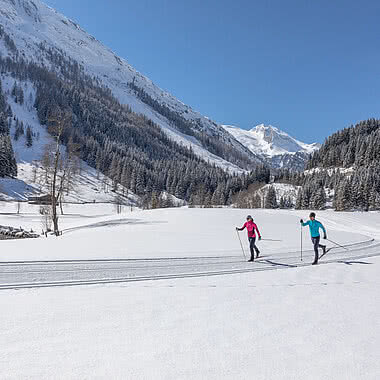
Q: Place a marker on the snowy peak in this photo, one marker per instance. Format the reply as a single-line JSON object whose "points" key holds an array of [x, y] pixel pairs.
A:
{"points": [[270, 141], [276, 141], [275, 146]]}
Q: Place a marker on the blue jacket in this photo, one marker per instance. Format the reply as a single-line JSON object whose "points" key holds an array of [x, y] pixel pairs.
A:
{"points": [[314, 226]]}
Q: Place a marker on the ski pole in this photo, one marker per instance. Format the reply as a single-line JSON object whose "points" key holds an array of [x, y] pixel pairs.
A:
{"points": [[241, 245], [301, 242], [341, 246]]}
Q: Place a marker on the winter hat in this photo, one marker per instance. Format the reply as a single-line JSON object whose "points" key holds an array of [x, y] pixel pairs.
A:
{"points": [[249, 217]]}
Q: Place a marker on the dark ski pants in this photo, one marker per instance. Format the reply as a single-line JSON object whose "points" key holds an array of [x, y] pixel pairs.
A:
{"points": [[316, 244], [252, 247]]}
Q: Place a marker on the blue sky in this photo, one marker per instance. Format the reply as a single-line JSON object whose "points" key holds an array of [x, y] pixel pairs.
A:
{"points": [[307, 67]]}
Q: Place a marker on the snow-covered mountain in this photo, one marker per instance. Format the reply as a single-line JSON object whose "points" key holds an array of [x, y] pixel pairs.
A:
{"points": [[274, 146], [37, 29]]}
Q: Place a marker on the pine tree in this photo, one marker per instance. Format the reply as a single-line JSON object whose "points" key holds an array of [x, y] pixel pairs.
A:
{"points": [[270, 198], [342, 199], [319, 199], [29, 137], [299, 199]]}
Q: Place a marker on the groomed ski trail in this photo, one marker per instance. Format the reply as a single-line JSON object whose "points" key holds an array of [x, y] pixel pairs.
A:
{"points": [[38, 274]]}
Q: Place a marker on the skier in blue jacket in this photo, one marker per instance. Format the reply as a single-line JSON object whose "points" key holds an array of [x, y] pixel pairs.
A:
{"points": [[314, 227]]}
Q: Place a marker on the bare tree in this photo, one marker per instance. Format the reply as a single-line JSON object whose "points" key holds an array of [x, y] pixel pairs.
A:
{"points": [[69, 168], [119, 204], [45, 212], [34, 171], [59, 165], [18, 206]]}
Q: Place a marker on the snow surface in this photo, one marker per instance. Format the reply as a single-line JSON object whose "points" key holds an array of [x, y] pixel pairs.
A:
{"points": [[269, 141], [31, 23], [307, 322], [156, 233]]}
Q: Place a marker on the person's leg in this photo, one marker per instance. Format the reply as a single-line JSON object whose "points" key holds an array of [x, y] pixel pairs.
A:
{"points": [[255, 247], [315, 241], [323, 248], [251, 248]]}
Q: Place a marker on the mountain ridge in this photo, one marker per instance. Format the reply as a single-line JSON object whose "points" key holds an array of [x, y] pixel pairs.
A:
{"points": [[275, 146]]}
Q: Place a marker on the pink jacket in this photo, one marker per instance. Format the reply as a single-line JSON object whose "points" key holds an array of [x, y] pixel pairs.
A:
{"points": [[251, 227]]}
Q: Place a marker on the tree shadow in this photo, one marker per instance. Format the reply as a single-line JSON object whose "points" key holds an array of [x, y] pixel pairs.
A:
{"points": [[112, 223], [354, 262]]}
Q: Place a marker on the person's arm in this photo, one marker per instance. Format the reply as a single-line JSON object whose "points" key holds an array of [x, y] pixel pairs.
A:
{"points": [[323, 229], [241, 229], [258, 232], [304, 224]]}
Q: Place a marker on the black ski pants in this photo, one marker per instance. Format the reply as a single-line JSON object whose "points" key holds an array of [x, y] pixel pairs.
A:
{"points": [[316, 244], [253, 247]]}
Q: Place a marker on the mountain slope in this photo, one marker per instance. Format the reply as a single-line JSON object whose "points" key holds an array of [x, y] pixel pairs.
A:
{"points": [[349, 164], [344, 173], [37, 30], [127, 147], [274, 146], [90, 185]]}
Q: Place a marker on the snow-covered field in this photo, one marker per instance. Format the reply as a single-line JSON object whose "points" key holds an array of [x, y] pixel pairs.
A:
{"points": [[301, 322], [95, 231]]}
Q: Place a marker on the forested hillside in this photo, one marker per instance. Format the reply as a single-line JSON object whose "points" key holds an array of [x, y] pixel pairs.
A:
{"points": [[8, 166], [131, 149], [355, 146], [216, 141], [36, 32], [347, 163]]}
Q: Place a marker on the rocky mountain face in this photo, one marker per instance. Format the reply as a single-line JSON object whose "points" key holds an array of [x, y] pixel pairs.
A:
{"points": [[274, 146]]}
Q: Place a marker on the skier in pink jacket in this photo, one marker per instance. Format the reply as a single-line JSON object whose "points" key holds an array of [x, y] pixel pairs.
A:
{"points": [[251, 228]]}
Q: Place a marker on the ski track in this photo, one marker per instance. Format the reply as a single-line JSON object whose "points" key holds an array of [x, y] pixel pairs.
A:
{"points": [[37, 274]]}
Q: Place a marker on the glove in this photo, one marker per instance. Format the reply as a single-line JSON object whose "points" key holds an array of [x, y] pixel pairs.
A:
{"points": [[237, 228], [301, 221], [259, 237], [325, 237]]}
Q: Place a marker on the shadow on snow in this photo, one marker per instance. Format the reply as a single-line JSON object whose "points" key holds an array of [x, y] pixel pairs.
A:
{"points": [[112, 223]]}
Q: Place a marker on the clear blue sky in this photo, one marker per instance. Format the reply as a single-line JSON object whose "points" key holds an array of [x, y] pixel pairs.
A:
{"points": [[307, 67]]}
